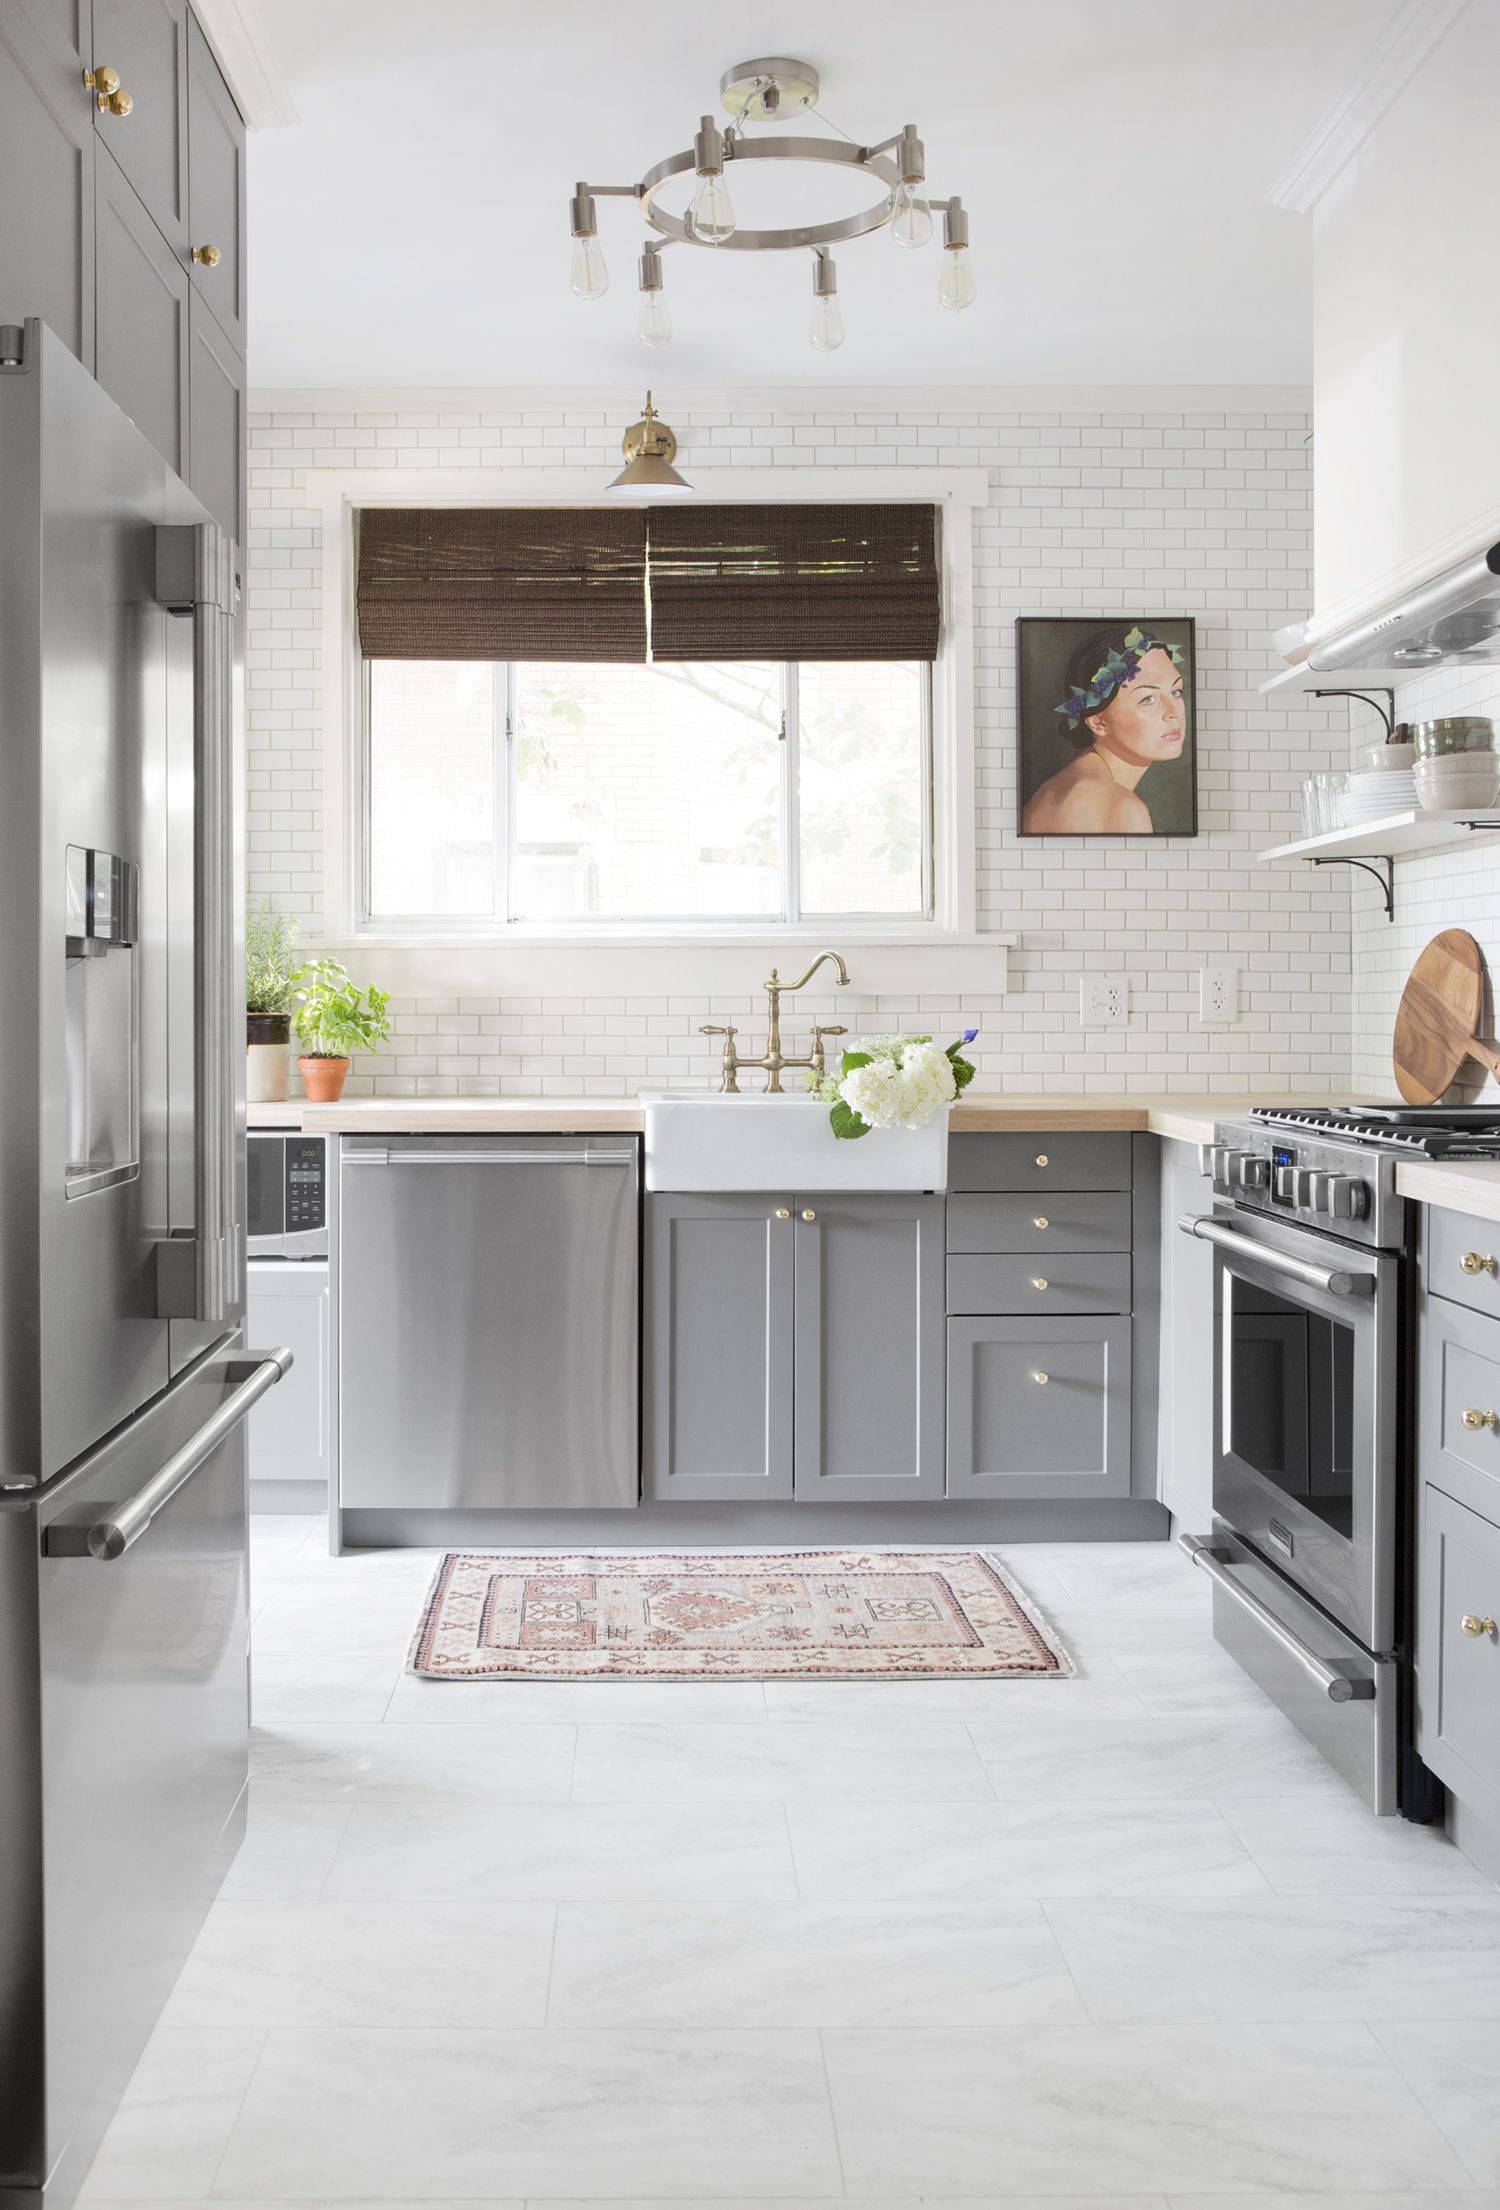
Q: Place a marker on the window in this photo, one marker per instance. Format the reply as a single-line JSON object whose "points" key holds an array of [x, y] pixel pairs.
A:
{"points": [[548, 793]]}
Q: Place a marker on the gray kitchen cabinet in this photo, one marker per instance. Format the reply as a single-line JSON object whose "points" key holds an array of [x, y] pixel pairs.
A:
{"points": [[1458, 1652], [719, 1287], [216, 421], [868, 1349], [1092, 1159], [141, 300], [1061, 1221], [290, 1430], [1039, 1408], [1186, 1434], [216, 190], [47, 170], [147, 42]]}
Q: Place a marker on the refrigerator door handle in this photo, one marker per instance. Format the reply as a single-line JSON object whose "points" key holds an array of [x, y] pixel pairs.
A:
{"points": [[109, 1538], [198, 1275]]}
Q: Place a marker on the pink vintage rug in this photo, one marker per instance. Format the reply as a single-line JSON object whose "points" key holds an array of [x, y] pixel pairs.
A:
{"points": [[738, 1615]]}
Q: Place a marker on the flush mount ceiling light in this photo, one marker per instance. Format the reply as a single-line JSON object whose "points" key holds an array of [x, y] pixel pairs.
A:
{"points": [[770, 91], [650, 449]]}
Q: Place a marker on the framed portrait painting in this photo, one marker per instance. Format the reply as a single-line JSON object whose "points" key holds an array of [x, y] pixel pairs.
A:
{"points": [[1108, 742]]}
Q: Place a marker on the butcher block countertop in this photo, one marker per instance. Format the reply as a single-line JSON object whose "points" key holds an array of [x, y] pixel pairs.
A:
{"points": [[1188, 1118], [1460, 1185]]}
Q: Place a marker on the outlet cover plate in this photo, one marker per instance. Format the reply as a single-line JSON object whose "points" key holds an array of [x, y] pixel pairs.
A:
{"points": [[1218, 996], [1103, 1001]]}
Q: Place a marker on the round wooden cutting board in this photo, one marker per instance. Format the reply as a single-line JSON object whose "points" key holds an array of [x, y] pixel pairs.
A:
{"points": [[1437, 1017]]}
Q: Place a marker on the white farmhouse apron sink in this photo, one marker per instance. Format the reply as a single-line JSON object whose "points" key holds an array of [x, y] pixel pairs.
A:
{"points": [[698, 1141]]}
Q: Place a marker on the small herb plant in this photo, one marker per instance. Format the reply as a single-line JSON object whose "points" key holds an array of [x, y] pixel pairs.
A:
{"points": [[894, 1082], [334, 1018], [271, 969]]}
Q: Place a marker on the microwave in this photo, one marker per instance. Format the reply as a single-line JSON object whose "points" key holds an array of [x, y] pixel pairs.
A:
{"points": [[286, 1178]]}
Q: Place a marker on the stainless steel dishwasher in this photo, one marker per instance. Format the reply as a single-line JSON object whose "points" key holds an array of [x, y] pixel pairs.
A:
{"points": [[488, 1298]]}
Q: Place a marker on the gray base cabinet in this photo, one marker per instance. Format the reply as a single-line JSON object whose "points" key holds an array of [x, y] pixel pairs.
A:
{"points": [[1458, 1652], [794, 1348], [289, 1432], [1038, 1408], [1186, 1465]]}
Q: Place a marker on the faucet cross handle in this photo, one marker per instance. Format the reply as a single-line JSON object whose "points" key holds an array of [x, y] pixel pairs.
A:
{"points": [[818, 1057], [729, 1086]]}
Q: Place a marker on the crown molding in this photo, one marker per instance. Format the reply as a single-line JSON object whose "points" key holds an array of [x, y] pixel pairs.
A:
{"points": [[242, 47], [1414, 32]]}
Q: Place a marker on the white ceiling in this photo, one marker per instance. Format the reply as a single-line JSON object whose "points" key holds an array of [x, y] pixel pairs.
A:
{"points": [[412, 227]]}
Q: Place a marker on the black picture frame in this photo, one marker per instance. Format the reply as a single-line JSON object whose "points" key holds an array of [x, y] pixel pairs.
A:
{"points": [[1050, 649]]}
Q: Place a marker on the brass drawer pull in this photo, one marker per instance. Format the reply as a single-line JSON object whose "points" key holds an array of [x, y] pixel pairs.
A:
{"points": [[1038, 1281], [105, 85], [1472, 1263], [1040, 1220], [1475, 1418], [1474, 1626], [1042, 1159], [1039, 1377]]}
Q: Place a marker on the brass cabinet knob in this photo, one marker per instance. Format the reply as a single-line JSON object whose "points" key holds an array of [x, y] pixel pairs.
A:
{"points": [[1042, 1159], [1040, 1220], [1475, 1418], [1039, 1377], [207, 257], [1038, 1281], [1475, 1626], [783, 1212], [105, 85], [809, 1214], [1472, 1263]]}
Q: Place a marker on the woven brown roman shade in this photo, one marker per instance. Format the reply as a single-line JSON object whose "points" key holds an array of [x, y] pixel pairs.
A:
{"points": [[794, 583], [502, 583]]}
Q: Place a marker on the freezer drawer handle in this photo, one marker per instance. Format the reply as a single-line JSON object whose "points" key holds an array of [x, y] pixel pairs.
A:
{"points": [[110, 1538], [1333, 1281], [1337, 1687]]}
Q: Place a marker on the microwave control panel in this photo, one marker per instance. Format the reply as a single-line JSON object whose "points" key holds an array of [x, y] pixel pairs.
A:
{"points": [[306, 1182]]}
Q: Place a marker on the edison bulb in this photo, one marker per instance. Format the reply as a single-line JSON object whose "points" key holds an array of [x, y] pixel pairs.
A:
{"points": [[713, 215], [911, 217], [956, 284], [588, 275], [655, 323], [826, 329]]}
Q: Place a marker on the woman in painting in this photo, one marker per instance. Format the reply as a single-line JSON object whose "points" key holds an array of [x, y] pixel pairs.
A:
{"points": [[1124, 713]]}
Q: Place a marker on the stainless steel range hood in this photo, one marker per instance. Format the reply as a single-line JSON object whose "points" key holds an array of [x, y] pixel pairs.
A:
{"points": [[1453, 621]]}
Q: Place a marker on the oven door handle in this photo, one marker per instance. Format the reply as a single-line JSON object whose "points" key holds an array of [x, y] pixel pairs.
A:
{"points": [[1336, 1686], [1334, 1281]]}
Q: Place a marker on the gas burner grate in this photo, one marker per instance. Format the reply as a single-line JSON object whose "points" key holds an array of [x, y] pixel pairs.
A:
{"points": [[1435, 1137]]}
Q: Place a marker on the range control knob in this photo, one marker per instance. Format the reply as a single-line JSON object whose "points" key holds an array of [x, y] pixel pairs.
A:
{"points": [[1254, 1173], [1284, 1185], [1348, 1197], [1294, 1186]]}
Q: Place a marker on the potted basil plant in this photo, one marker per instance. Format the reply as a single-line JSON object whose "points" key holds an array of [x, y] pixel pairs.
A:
{"points": [[334, 1019], [271, 977]]}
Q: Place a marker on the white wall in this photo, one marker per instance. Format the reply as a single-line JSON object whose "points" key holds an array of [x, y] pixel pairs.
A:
{"points": [[1200, 508]]}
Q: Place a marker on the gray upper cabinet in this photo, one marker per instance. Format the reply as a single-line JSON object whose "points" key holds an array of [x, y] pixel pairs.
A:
{"points": [[1039, 1408], [718, 1347], [142, 303], [216, 190], [1458, 1652], [47, 170], [146, 41], [868, 1365], [216, 421]]}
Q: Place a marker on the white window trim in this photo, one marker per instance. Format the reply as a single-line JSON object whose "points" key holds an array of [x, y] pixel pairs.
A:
{"points": [[336, 495]]}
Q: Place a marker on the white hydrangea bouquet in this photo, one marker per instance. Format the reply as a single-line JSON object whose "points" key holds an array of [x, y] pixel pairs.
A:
{"points": [[894, 1082]]}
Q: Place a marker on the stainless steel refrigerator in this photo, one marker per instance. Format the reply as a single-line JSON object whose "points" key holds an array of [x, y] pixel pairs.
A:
{"points": [[124, 1381]]}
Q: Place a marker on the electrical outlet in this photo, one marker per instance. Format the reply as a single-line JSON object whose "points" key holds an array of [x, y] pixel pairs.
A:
{"points": [[1218, 997], [1103, 1001]]}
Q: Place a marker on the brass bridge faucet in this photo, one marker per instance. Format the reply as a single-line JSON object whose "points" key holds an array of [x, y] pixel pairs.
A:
{"points": [[773, 1059]]}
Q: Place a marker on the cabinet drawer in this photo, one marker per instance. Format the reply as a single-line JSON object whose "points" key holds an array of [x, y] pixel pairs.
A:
{"points": [[1463, 1259], [1093, 1281], [1067, 1221], [1460, 1404], [1458, 1672], [1038, 1408], [1040, 1161]]}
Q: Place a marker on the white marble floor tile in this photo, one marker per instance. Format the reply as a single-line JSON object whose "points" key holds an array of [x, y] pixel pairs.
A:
{"points": [[772, 1763], [684, 2115], [1129, 2109], [929, 2202], [424, 1962], [414, 2202], [807, 1964], [1124, 1757], [1330, 1844], [908, 1852], [560, 1852], [1433, 2201], [289, 1689], [1207, 1684], [1100, 1685], [379, 1764], [169, 2132], [571, 1703], [1280, 1959], [1454, 2070], [286, 1853], [1125, 1576]]}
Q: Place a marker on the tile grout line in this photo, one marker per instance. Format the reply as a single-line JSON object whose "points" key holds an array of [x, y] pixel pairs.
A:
{"points": [[833, 2122], [239, 2110]]}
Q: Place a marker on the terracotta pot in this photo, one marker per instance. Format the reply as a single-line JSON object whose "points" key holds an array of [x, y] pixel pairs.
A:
{"points": [[323, 1079], [267, 1057]]}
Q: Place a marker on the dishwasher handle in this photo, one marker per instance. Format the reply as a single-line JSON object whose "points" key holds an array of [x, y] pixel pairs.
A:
{"points": [[421, 1155]]}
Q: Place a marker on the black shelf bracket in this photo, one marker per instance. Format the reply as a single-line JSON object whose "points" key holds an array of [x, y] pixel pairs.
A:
{"points": [[1387, 712], [1383, 870]]}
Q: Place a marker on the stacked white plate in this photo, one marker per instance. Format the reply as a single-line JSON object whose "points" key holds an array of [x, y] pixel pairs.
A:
{"points": [[1372, 795]]}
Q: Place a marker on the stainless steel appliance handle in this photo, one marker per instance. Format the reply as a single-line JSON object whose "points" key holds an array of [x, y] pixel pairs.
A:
{"points": [[108, 1539], [417, 1157], [199, 1277], [1337, 1687], [1334, 1281]]}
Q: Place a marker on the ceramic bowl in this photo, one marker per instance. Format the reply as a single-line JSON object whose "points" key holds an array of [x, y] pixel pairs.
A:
{"points": [[1387, 759], [1457, 779]]}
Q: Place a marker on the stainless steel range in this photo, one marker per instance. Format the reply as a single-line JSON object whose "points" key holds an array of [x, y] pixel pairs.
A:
{"points": [[1312, 1486]]}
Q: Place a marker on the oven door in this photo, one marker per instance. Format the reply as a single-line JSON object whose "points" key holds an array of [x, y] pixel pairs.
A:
{"points": [[1306, 1411]]}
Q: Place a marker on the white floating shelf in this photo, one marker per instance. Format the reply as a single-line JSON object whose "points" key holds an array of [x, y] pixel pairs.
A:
{"points": [[1395, 832], [1301, 678]]}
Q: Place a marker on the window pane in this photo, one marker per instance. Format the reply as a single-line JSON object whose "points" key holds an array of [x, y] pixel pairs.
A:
{"points": [[863, 773], [647, 791], [432, 787]]}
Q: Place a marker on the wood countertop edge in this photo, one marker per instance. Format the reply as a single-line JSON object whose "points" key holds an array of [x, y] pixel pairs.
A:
{"points": [[1457, 1185]]}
